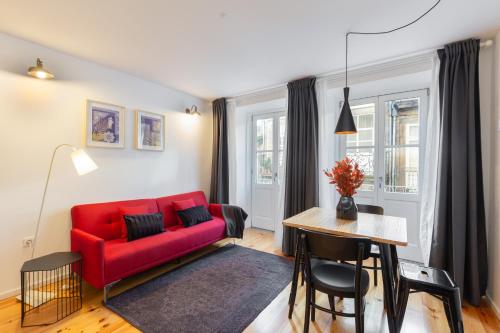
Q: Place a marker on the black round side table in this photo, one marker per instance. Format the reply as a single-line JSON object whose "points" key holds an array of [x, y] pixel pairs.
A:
{"points": [[51, 288]]}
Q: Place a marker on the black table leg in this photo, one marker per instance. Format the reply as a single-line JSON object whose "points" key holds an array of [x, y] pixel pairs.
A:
{"points": [[295, 276], [388, 259]]}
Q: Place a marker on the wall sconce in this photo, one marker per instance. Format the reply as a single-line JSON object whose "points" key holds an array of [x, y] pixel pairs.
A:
{"points": [[39, 72], [193, 110]]}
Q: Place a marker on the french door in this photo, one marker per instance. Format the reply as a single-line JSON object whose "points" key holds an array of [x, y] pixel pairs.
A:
{"points": [[389, 148], [268, 138]]}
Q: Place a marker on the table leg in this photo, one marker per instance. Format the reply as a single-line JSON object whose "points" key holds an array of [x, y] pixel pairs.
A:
{"points": [[388, 258], [295, 276]]}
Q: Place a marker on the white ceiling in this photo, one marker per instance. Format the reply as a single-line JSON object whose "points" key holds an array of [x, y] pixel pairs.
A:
{"points": [[214, 48]]}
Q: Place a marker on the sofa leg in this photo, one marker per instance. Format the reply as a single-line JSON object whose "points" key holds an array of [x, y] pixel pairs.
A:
{"points": [[106, 290]]}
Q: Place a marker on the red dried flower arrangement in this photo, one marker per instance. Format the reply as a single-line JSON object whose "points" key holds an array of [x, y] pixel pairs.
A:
{"points": [[347, 176]]}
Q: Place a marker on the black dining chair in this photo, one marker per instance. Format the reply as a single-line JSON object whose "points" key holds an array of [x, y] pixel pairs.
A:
{"points": [[374, 253], [334, 278], [414, 278]]}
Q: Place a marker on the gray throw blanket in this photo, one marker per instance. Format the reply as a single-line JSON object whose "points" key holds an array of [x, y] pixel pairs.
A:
{"points": [[235, 220]]}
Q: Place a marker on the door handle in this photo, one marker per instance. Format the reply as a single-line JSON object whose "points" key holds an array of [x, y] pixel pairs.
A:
{"points": [[380, 180]]}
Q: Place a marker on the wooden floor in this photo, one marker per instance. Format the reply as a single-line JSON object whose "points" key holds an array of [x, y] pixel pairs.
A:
{"points": [[424, 313]]}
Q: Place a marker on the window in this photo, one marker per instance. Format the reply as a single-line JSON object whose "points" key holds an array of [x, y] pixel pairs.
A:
{"points": [[402, 118], [361, 146], [264, 150]]}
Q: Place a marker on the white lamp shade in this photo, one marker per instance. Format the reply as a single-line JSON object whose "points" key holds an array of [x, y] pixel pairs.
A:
{"points": [[82, 162]]}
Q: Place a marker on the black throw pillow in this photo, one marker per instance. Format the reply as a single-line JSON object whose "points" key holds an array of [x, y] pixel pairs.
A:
{"points": [[194, 215], [139, 226]]}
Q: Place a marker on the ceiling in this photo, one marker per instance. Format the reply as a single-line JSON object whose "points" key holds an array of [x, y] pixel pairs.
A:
{"points": [[227, 47]]}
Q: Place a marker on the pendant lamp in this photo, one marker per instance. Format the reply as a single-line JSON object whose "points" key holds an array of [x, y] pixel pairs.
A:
{"points": [[345, 123]]}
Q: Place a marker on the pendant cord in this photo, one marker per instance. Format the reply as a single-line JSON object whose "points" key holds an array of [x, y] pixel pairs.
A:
{"points": [[382, 32]]}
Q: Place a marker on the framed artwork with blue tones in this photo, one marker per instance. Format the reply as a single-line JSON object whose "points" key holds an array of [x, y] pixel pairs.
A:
{"points": [[105, 125], [149, 131]]}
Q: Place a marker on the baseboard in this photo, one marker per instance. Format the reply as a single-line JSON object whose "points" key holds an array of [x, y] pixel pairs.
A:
{"points": [[495, 308], [9, 293]]}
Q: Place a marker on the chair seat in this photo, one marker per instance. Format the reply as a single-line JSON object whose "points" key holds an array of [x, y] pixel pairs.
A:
{"points": [[432, 277], [437, 282], [329, 275]]}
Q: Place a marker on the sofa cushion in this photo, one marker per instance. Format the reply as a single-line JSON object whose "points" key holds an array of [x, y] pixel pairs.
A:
{"points": [[140, 226], [133, 210], [194, 215], [102, 219], [175, 227], [180, 205], [165, 205], [122, 259]]}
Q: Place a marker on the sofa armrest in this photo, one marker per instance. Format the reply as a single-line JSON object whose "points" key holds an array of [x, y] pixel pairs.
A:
{"points": [[92, 250], [215, 210]]}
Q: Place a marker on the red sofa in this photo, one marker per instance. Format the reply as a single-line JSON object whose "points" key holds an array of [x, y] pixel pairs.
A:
{"points": [[108, 258]]}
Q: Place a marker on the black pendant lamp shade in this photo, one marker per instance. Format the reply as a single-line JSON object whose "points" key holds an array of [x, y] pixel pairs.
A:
{"points": [[345, 124]]}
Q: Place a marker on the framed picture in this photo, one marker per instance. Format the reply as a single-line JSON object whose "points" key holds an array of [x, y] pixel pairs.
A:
{"points": [[149, 131], [105, 125]]}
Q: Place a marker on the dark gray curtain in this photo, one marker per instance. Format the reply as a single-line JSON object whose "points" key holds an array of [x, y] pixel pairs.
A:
{"points": [[459, 237], [219, 186], [301, 179]]}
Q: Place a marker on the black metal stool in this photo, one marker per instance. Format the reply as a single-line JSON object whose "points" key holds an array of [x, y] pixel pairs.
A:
{"points": [[51, 288], [438, 283]]}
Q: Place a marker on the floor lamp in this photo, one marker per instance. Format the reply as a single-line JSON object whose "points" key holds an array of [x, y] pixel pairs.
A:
{"points": [[83, 165]]}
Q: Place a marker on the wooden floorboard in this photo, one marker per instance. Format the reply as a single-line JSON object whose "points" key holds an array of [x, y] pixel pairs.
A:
{"points": [[424, 313]]}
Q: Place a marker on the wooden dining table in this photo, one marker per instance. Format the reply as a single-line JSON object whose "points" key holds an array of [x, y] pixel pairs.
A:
{"points": [[385, 231]]}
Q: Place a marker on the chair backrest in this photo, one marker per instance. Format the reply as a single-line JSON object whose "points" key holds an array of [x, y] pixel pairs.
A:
{"points": [[370, 209], [334, 247]]}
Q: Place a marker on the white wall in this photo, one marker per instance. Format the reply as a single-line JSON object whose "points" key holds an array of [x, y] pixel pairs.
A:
{"points": [[37, 115], [494, 208]]}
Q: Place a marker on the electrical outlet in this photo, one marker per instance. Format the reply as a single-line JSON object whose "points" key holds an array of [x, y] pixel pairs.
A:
{"points": [[28, 242]]}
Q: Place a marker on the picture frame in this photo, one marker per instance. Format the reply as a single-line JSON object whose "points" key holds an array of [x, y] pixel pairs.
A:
{"points": [[149, 131], [105, 125]]}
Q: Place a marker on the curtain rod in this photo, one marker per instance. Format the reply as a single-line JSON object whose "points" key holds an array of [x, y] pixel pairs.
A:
{"points": [[486, 43], [326, 75]]}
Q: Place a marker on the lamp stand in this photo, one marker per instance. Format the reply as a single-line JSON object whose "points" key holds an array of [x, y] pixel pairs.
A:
{"points": [[44, 195]]}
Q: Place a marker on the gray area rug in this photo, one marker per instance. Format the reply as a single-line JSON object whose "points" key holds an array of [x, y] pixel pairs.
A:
{"points": [[223, 291]]}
